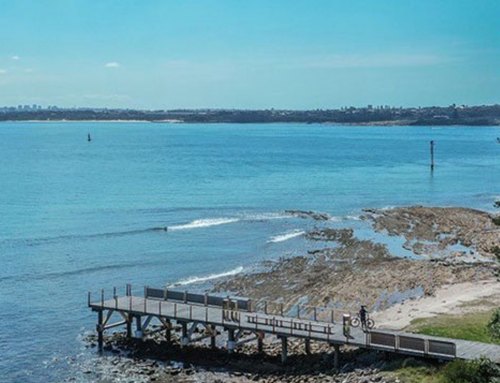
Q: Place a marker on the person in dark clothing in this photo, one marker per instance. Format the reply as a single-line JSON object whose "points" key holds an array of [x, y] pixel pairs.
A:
{"points": [[363, 316]]}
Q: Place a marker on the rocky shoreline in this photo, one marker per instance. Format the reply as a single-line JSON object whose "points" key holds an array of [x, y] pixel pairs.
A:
{"points": [[155, 360], [450, 246], [350, 271]]}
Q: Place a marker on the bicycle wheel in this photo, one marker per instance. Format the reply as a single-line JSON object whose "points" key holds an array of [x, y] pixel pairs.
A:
{"points": [[370, 323], [355, 322]]}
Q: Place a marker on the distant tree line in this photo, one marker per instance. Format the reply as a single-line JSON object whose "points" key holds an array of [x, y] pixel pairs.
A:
{"points": [[450, 115]]}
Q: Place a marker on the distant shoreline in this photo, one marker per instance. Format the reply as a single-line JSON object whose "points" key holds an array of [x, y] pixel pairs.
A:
{"points": [[453, 115], [407, 123]]}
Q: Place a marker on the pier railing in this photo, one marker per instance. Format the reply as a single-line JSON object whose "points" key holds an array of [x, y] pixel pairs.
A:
{"points": [[236, 312], [408, 343], [306, 312]]}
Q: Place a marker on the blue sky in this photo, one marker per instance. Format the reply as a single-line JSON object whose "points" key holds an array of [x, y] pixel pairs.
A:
{"points": [[249, 54]]}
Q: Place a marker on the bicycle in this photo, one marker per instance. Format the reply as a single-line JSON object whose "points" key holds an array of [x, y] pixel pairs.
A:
{"points": [[356, 322]]}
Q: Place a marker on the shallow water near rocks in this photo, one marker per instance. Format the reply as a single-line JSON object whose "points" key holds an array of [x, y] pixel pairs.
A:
{"points": [[78, 216]]}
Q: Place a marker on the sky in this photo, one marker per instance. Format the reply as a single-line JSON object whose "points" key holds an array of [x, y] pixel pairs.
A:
{"points": [[258, 54]]}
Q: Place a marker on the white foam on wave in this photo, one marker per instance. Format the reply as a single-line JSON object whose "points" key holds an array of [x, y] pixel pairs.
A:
{"points": [[335, 219], [199, 223], [195, 279], [266, 216], [352, 218], [286, 236]]}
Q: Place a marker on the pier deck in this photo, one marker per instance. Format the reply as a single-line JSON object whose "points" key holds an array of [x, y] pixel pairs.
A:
{"points": [[242, 323]]}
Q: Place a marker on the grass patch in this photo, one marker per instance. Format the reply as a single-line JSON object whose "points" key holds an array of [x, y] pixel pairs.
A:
{"points": [[418, 375], [472, 326], [412, 370]]}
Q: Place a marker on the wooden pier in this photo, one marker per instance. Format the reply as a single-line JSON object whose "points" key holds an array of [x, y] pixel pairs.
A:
{"points": [[242, 322]]}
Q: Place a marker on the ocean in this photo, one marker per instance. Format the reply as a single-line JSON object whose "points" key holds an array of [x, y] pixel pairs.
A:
{"points": [[78, 216]]}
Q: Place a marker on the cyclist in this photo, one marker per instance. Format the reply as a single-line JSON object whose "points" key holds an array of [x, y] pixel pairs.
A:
{"points": [[363, 316]]}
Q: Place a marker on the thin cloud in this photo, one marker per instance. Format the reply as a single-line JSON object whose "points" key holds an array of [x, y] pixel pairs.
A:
{"points": [[16, 58], [3, 71], [112, 64]]}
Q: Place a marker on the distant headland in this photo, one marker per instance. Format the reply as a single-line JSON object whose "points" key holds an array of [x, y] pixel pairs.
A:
{"points": [[368, 115]]}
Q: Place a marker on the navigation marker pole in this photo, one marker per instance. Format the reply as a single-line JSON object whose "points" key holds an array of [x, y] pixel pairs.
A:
{"points": [[432, 155]]}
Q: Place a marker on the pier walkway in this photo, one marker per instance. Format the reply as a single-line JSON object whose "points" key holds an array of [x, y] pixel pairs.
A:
{"points": [[243, 323]]}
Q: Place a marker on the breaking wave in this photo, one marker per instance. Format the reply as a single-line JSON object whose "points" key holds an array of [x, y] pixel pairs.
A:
{"points": [[195, 279], [286, 236], [208, 222], [197, 223]]}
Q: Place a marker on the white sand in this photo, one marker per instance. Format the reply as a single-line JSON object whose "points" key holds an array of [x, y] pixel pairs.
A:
{"points": [[448, 299]]}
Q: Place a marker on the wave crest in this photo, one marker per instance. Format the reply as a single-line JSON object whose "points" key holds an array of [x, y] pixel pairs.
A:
{"points": [[198, 223], [195, 279], [286, 236]]}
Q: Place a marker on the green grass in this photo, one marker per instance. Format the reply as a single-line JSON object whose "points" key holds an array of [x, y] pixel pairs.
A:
{"points": [[418, 375], [467, 326], [472, 326]]}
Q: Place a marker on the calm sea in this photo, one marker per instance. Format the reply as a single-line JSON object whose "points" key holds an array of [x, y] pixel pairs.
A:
{"points": [[77, 215]]}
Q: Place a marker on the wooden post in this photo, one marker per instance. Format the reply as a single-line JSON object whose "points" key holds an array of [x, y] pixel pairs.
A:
{"points": [[260, 343], [138, 327], [213, 330], [100, 337], [129, 325], [336, 355], [184, 338], [432, 155], [168, 332], [230, 340], [281, 309], [307, 344], [284, 349]]}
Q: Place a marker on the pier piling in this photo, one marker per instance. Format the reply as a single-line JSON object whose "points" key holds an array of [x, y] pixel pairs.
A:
{"points": [[212, 338], [336, 356], [168, 331], [284, 349], [185, 337], [100, 330], [260, 343], [230, 340], [138, 326], [129, 325], [307, 344]]}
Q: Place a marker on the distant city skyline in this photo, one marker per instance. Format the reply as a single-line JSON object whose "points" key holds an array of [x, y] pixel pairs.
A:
{"points": [[249, 55]]}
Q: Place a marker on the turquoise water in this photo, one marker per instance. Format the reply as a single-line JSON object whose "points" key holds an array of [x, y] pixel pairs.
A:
{"points": [[77, 216]]}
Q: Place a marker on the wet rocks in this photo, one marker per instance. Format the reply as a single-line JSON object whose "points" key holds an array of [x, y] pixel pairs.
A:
{"points": [[435, 229], [308, 215]]}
